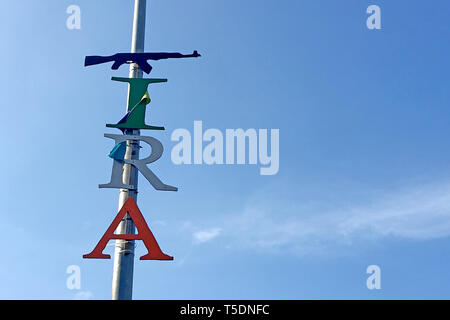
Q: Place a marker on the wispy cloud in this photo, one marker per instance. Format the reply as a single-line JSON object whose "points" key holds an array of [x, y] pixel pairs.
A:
{"points": [[206, 235], [83, 295], [419, 213]]}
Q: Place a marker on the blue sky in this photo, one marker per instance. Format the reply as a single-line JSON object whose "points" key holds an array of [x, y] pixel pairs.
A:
{"points": [[364, 173]]}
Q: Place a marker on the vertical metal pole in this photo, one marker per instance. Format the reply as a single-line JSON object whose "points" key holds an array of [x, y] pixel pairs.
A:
{"points": [[122, 283]]}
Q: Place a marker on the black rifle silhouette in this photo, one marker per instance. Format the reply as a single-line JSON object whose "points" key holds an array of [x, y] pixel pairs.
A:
{"points": [[138, 58]]}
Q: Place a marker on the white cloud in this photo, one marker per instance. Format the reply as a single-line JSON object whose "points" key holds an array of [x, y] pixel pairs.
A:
{"points": [[206, 235], [83, 295], [417, 214]]}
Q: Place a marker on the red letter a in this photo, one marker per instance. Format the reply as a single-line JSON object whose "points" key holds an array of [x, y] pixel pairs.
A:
{"points": [[144, 234]]}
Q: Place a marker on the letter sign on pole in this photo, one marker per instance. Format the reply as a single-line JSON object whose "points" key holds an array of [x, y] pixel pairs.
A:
{"points": [[144, 234], [125, 151], [141, 164], [137, 103]]}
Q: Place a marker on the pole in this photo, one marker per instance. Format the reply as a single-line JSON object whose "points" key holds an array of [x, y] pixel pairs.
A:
{"points": [[122, 283]]}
